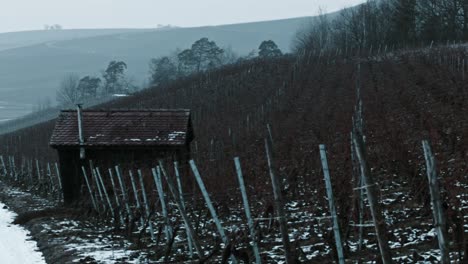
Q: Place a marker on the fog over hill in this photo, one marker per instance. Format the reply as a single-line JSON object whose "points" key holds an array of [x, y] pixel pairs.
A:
{"points": [[32, 63], [11, 40]]}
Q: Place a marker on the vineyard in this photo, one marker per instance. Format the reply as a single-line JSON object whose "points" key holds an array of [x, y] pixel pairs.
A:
{"points": [[294, 104]]}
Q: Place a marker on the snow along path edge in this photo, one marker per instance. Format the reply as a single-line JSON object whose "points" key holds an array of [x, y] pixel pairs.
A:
{"points": [[16, 245]]}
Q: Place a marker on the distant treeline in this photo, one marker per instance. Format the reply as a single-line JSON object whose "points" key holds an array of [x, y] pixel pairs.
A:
{"points": [[204, 55], [388, 23]]}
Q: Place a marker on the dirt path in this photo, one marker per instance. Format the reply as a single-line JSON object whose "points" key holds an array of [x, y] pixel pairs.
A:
{"points": [[62, 235]]}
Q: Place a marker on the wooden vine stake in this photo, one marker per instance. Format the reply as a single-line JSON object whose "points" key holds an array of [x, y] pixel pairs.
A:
{"points": [[57, 172], [147, 207], [117, 202], [207, 198], [192, 236], [360, 188], [437, 210], [137, 200], [245, 199], [98, 185], [4, 169], [15, 173], [124, 194], [91, 195], [49, 173], [371, 190], [38, 170], [159, 187], [104, 190], [279, 204], [331, 204], [181, 198]]}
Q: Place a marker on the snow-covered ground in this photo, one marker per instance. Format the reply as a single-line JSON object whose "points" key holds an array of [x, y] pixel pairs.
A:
{"points": [[16, 247]]}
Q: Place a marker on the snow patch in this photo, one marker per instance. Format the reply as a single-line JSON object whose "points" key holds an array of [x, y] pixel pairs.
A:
{"points": [[16, 245]]}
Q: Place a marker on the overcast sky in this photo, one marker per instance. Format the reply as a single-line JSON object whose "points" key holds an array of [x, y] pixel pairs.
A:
{"points": [[16, 15]]}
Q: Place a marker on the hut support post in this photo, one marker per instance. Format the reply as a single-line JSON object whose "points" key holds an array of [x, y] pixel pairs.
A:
{"points": [[437, 210], [206, 196], [279, 204], [245, 199], [331, 204], [147, 208]]}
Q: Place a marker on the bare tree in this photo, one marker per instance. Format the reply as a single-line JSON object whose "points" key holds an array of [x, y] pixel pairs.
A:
{"points": [[68, 92], [229, 56]]}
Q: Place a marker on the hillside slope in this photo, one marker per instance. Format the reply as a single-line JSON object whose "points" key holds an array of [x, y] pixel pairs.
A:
{"points": [[407, 98], [30, 73]]}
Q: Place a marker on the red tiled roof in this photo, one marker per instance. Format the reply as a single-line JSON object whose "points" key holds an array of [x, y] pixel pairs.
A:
{"points": [[161, 127]]}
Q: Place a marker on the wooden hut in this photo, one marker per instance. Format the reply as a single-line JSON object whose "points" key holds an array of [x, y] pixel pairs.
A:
{"points": [[128, 138]]}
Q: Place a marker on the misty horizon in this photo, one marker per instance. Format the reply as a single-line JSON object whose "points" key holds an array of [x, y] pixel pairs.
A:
{"points": [[105, 14]]}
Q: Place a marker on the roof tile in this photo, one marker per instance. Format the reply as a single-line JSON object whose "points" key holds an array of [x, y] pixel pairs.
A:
{"points": [[154, 127]]}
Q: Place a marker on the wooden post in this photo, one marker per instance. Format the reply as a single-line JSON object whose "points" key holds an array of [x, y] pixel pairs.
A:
{"points": [[181, 197], [104, 190], [245, 199], [10, 167], [124, 193], [117, 202], [279, 204], [4, 169], [93, 201], [270, 134], [371, 188], [331, 204], [438, 211], [38, 170], [212, 210], [147, 208], [49, 173], [22, 167], [98, 185], [180, 205], [57, 171], [30, 170], [358, 180], [15, 173], [463, 70], [159, 187], [137, 200]]}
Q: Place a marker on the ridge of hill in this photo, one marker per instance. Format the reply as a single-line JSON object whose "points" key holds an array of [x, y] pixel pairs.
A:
{"points": [[35, 62], [12, 40]]}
